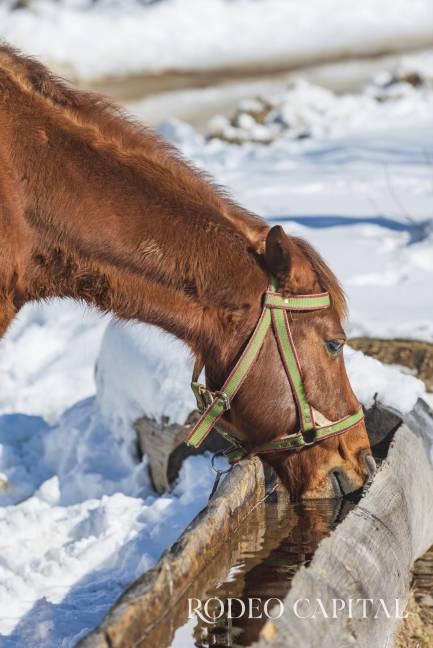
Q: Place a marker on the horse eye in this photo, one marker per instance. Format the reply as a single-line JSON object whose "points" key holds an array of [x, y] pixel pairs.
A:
{"points": [[334, 346]]}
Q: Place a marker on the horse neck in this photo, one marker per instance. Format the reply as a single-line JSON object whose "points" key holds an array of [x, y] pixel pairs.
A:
{"points": [[159, 257], [112, 216], [212, 311]]}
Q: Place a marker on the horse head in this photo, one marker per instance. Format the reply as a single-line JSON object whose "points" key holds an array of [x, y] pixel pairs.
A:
{"points": [[294, 406]]}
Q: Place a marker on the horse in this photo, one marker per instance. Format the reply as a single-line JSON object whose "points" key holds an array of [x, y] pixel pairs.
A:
{"points": [[97, 207]]}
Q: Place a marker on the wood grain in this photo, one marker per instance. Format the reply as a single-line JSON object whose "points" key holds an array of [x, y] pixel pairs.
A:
{"points": [[151, 601], [370, 554], [163, 443]]}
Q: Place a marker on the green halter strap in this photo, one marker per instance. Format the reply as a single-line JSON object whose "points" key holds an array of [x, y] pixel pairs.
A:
{"points": [[212, 405]]}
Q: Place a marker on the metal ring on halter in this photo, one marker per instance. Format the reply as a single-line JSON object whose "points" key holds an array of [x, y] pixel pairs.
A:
{"points": [[218, 473], [214, 468]]}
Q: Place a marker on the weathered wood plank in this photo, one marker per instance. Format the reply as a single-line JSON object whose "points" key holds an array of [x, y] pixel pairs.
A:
{"points": [[369, 555], [163, 443]]}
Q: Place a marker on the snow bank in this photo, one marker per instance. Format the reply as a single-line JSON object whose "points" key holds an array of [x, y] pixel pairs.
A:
{"points": [[143, 370], [69, 563], [76, 499], [308, 110], [47, 358], [94, 40], [369, 377]]}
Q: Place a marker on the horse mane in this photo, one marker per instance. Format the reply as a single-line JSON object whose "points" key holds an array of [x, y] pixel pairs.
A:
{"points": [[109, 127]]}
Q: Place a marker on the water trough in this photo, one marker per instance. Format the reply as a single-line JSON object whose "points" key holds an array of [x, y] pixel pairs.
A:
{"points": [[250, 541]]}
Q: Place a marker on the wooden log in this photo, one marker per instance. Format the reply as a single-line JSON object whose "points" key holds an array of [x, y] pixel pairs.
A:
{"points": [[147, 613], [163, 443], [369, 556], [381, 423]]}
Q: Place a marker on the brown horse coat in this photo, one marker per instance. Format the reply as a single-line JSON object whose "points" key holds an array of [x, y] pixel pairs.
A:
{"points": [[94, 206]]}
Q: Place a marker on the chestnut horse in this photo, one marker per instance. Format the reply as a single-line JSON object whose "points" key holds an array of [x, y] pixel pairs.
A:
{"points": [[98, 208]]}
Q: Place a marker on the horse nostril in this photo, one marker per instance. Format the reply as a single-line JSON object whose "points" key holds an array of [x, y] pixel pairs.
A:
{"points": [[370, 464], [336, 485], [345, 483], [340, 482]]}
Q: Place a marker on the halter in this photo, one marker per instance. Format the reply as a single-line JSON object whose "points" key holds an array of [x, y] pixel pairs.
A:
{"points": [[212, 405]]}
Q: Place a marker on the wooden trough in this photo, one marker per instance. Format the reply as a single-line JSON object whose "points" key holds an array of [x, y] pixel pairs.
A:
{"points": [[149, 611], [368, 556]]}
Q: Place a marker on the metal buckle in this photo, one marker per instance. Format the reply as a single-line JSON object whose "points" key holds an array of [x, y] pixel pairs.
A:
{"points": [[218, 473], [225, 399], [202, 395], [230, 437]]}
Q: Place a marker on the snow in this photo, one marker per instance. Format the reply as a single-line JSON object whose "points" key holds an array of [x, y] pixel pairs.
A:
{"points": [[45, 358], [79, 520], [142, 369], [361, 191], [393, 388], [92, 40], [76, 498], [84, 519], [308, 110], [69, 562]]}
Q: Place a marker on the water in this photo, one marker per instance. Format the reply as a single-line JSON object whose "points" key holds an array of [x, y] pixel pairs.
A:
{"points": [[271, 554], [256, 564]]}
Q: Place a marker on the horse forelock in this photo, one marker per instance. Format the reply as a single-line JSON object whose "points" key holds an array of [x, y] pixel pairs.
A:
{"points": [[325, 276]]}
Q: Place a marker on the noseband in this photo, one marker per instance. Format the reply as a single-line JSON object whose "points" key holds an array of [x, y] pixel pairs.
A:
{"points": [[212, 405]]}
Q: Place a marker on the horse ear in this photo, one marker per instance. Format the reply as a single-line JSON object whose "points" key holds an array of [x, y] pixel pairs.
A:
{"points": [[288, 264], [277, 255]]}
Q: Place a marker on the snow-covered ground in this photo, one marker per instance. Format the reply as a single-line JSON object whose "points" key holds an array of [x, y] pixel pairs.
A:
{"points": [[113, 38], [305, 110], [78, 517], [79, 520]]}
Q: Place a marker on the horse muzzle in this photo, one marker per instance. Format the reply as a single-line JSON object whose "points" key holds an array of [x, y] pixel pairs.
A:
{"points": [[342, 480]]}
